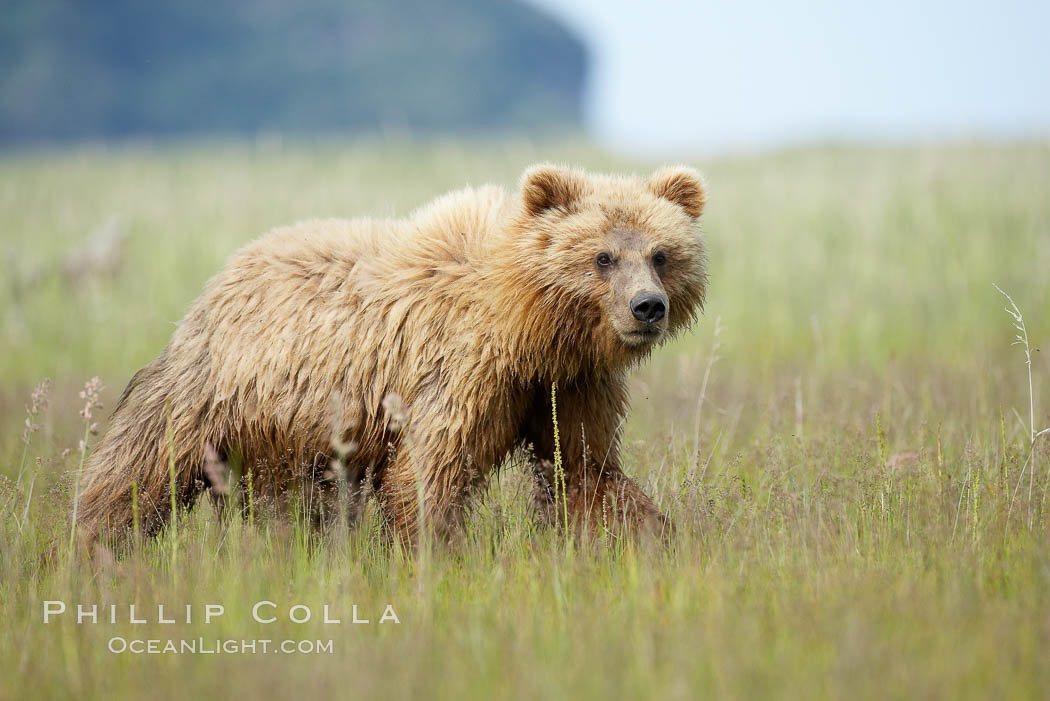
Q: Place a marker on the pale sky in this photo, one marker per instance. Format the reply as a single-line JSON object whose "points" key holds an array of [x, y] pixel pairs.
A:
{"points": [[728, 76]]}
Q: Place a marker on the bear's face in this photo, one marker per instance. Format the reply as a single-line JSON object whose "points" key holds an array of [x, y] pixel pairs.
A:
{"points": [[621, 258], [631, 266]]}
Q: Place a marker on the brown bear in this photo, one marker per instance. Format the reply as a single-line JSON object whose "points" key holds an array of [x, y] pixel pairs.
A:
{"points": [[429, 345]]}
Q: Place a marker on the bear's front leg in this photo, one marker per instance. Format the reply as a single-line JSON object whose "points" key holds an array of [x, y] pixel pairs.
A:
{"points": [[421, 491], [448, 444], [598, 495]]}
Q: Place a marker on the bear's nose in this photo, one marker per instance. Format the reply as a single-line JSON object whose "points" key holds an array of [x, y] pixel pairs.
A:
{"points": [[648, 307]]}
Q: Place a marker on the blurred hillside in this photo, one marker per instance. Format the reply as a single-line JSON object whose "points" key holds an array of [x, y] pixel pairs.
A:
{"points": [[122, 68]]}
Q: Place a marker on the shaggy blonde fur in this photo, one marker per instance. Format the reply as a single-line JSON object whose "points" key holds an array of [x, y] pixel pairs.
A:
{"points": [[468, 311]]}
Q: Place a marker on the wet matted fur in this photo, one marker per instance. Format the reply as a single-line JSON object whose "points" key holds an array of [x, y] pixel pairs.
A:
{"points": [[461, 317]]}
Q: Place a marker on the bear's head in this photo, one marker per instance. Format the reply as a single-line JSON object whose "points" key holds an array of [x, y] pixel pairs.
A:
{"points": [[620, 259]]}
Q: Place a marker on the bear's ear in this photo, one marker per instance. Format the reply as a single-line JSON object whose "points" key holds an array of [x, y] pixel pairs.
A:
{"points": [[546, 186], [682, 186]]}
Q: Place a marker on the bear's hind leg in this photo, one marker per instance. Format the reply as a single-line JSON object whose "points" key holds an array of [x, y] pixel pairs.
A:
{"points": [[113, 502]]}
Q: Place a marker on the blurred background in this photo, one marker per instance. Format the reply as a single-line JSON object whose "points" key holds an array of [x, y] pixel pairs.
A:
{"points": [[655, 78]]}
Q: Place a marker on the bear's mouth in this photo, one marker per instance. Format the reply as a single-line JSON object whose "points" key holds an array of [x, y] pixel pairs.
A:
{"points": [[642, 336]]}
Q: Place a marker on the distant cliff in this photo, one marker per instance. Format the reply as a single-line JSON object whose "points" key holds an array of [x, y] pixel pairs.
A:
{"points": [[74, 69]]}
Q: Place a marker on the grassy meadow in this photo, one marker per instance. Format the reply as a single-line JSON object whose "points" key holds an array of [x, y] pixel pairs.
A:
{"points": [[844, 443]]}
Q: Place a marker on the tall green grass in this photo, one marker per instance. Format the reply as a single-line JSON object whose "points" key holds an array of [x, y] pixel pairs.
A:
{"points": [[861, 509]]}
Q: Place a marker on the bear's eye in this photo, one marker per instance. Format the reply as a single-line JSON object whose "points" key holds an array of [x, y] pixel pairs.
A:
{"points": [[659, 258], [604, 260]]}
